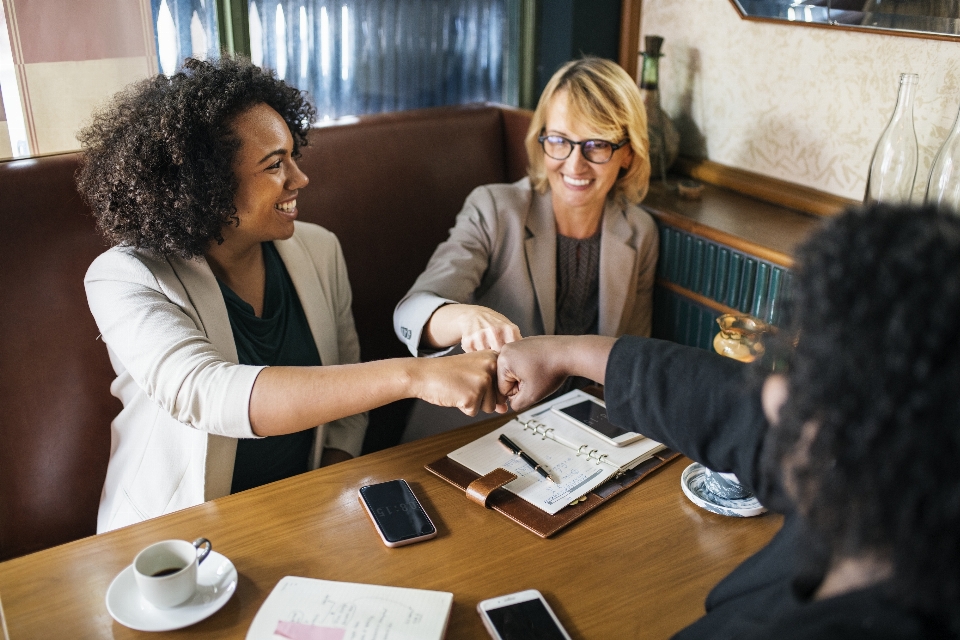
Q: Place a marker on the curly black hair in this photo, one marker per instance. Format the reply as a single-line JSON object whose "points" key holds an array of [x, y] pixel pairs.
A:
{"points": [[157, 162], [876, 306]]}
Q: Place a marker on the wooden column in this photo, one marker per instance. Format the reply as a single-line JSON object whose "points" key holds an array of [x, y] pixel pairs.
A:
{"points": [[630, 35]]}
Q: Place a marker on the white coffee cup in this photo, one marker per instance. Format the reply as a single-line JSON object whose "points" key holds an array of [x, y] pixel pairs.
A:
{"points": [[166, 572]]}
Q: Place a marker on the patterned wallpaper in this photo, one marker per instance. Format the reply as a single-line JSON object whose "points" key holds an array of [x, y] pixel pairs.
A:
{"points": [[805, 105]]}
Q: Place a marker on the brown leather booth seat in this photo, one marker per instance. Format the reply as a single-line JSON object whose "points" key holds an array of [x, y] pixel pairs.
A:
{"points": [[388, 185]]}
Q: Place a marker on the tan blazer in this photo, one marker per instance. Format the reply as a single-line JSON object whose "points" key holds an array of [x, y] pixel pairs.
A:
{"points": [[502, 254], [185, 398]]}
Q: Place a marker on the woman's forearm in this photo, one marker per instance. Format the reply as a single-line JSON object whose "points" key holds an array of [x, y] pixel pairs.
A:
{"points": [[474, 327], [290, 399], [442, 330]]}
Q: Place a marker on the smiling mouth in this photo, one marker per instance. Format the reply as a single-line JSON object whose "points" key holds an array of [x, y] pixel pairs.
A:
{"points": [[290, 206], [576, 183]]}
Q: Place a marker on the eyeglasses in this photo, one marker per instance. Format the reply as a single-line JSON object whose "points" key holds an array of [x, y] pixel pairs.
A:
{"points": [[595, 151]]}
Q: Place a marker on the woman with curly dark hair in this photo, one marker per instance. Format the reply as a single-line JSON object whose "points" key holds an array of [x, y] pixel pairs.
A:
{"points": [[856, 441], [218, 308]]}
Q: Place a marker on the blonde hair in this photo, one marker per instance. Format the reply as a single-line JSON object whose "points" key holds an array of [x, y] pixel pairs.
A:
{"points": [[604, 98]]}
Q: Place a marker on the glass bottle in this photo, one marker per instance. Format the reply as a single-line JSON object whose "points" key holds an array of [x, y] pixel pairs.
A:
{"points": [[663, 135], [893, 168], [943, 187]]}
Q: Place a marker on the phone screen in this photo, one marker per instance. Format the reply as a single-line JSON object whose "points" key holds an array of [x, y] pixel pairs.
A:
{"points": [[594, 416], [528, 620], [396, 510]]}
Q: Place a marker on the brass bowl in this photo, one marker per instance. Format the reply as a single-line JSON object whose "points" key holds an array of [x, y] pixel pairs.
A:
{"points": [[739, 337]]}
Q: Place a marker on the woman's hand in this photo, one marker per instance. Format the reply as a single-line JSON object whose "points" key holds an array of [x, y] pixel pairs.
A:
{"points": [[476, 328], [527, 370], [467, 381], [533, 368]]}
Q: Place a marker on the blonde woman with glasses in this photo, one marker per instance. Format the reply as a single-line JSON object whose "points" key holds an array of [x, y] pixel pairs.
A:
{"points": [[565, 250]]}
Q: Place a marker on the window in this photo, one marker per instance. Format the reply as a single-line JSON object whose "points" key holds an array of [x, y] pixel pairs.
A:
{"points": [[353, 56], [357, 56], [363, 56], [184, 28], [13, 128]]}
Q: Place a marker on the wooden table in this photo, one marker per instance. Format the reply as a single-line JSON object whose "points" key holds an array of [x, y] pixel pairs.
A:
{"points": [[638, 567]]}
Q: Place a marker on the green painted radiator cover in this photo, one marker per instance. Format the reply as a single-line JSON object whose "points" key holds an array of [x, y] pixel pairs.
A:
{"points": [[715, 271]]}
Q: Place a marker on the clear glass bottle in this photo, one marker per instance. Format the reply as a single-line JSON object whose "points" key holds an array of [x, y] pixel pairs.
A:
{"points": [[943, 187], [663, 135], [893, 168]]}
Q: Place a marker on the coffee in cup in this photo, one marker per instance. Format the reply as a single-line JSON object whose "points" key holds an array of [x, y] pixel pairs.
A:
{"points": [[166, 572]]}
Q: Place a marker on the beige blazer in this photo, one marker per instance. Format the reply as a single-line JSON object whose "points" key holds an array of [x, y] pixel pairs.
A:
{"points": [[502, 254], [185, 398]]}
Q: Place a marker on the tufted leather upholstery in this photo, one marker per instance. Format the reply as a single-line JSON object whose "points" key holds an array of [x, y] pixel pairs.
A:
{"points": [[388, 185]]}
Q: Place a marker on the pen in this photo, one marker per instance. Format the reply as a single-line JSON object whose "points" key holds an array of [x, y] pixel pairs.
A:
{"points": [[507, 442]]}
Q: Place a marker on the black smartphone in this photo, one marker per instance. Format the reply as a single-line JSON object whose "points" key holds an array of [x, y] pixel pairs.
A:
{"points": [[591, 414], [396, 513]]}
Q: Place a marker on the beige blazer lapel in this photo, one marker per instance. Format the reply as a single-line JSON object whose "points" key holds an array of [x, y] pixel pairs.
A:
{"points": [[618, 271], [318, 308], [205, 297], [541, 250]]}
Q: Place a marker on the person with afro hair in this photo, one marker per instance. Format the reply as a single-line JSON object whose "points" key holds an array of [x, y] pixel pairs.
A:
{"points": [[227, 321], [851, 430]]}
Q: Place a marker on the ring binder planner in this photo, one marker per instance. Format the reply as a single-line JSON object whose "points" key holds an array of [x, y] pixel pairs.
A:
{"points": [[538, 428], [589, 471]]}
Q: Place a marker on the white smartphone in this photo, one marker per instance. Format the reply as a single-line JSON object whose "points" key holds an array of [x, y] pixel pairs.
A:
{"points": [[591, 414], [396, 513], [521, 616]]}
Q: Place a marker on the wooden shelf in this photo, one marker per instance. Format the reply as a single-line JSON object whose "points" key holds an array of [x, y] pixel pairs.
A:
{"points": [[778, 192], [768, 231]]}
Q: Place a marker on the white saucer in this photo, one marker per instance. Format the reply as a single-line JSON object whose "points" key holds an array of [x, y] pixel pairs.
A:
{"points": [[216, 582], [691, 481]]}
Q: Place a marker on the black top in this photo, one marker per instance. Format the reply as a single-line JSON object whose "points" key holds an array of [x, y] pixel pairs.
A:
{"points": [[578, 285], [700, 404], [281, 337], [578, 295]]}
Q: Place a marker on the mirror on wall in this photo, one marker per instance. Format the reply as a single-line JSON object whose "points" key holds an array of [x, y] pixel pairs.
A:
{"points": [[931, 18]]}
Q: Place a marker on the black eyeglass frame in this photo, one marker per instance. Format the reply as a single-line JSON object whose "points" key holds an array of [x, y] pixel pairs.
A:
{"points": [[613, 147]]}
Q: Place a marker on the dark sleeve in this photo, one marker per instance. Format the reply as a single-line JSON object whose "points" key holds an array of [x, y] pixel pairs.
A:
{"points": [[694, 401]]}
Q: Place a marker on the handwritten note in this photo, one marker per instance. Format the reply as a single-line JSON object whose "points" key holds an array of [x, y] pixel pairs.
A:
{"points": [[308, 609]]}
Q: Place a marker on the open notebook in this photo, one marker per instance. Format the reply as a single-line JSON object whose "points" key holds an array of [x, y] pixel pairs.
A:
{"points": [[309, 609], [553, 442], [577, 459]]}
